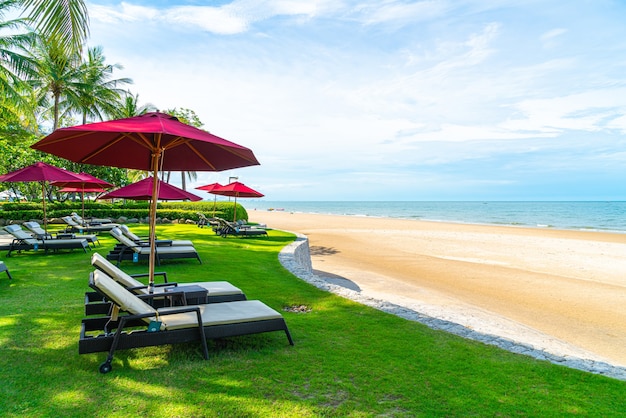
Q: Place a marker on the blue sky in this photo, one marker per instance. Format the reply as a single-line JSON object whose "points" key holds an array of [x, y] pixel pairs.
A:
{"points": [[391, 100]]}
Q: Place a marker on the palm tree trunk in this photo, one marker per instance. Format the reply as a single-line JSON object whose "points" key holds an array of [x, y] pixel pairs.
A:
{"points": [[56, 111]]}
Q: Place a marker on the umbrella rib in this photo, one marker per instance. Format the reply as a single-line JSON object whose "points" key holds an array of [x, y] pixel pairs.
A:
{"points": [[239, 154], [227, 149], [144, 142], [65, 138], [179, 140]]}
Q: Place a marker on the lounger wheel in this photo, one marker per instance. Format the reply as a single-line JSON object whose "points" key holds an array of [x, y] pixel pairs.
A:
{"points": [[106, 367]]}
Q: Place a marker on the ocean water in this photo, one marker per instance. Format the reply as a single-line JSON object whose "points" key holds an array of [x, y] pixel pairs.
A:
{"points": [[591, 216]]}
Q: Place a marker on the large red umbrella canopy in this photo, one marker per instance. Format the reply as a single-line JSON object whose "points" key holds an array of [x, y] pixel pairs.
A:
{"points": [[40, 172], [88, 184], [154, 141], [142, 190], [209, 188], [136, 142], [236, 189]]}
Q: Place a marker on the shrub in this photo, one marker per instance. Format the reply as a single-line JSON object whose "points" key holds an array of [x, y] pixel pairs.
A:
{"points": [[24, 211]]}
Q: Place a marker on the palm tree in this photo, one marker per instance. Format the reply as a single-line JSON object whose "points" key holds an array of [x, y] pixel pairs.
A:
{"points": [[129, 106], [98, 94], [58, 77], [13, 65], [65, 22]]}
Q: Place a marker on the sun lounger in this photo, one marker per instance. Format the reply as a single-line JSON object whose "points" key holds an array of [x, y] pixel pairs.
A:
{"points": [[226, 228], [73, 226], [129, 250], [3, 267], [40, 233], [159, 242], [23, 241], [90, 221], [146, 326], [185, 293], [244, 224], [204, 221]]}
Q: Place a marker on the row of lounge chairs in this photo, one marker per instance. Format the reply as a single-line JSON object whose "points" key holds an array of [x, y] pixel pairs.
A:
{"points": [[136, 248], [25, 241], [134, 319], [75, 223]]}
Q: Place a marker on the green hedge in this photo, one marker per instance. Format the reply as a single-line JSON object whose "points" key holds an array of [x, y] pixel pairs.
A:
{"points": [[130, 209]]}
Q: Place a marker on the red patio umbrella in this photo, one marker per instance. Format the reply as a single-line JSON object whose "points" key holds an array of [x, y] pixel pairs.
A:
{"points": [[40, 172], [152, 142], [236, 189], [142, 190], [80, 189], [88, 183], [209, 188]]}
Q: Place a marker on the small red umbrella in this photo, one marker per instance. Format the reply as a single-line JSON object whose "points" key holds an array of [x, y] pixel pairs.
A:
{"points": [[151, 142], [88, 184], [80, 189], [209, 188], [40, 172], [236, 189], [142, 190]]}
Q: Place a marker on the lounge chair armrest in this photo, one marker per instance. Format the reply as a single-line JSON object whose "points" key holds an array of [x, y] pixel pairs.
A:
{"points": [[173, 284], [156, 273], [145, 286], [143, 238], [192, 308], [171, 310]]}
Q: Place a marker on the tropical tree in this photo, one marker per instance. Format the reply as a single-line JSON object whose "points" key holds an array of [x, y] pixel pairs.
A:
{"points": [[57, 77], [14, 66], [128, 106], [64, 22], [97, 94]]}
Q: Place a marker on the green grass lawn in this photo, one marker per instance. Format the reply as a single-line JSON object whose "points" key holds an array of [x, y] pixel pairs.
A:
{"points": [[348, 359]]}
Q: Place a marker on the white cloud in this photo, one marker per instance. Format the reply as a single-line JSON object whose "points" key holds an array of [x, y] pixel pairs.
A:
{"points": [[333, 92], [394, 11], [232, 18]]}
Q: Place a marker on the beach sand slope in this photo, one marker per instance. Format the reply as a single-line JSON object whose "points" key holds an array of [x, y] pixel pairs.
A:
{"points": [[549, 288]]}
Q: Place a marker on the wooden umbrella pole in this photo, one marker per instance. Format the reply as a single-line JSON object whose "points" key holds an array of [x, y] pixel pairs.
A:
{"points": [[152, 218], [43, 197], [82, 199]]}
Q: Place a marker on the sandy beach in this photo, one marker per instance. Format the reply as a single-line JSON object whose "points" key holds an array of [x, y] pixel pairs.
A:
{"points": [[541, 286]]}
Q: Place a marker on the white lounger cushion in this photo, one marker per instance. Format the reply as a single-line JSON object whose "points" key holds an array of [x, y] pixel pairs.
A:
{"points": [[125, 299], [221, 313], [214, 288]]}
